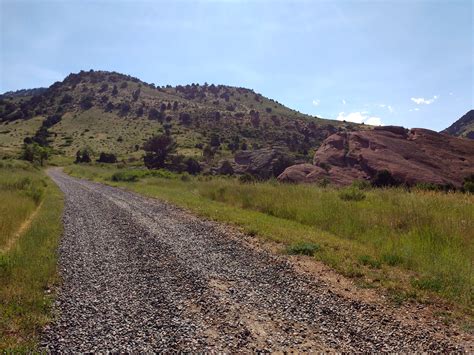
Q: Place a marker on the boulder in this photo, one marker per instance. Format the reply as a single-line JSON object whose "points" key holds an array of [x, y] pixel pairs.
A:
{"points": [[412, 156]]}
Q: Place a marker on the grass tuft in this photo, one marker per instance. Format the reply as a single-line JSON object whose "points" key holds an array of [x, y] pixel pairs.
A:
{"points": [[303, 249]]}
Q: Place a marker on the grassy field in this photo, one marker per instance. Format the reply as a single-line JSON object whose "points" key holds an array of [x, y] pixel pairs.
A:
{"points": [[415, 244], [30, 225]]}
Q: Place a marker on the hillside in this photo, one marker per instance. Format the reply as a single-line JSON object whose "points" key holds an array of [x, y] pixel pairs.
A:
{"points": [[112, 112], [464, 127]]}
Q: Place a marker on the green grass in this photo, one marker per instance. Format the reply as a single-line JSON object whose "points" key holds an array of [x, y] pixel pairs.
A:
{"points": [[28, 266], [417, 243]]}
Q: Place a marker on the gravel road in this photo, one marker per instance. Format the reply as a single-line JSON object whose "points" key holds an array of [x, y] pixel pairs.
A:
{"points": [[141, 275]]}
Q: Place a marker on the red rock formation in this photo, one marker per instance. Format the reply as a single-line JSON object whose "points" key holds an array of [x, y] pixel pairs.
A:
{"points": [[412, 156]]}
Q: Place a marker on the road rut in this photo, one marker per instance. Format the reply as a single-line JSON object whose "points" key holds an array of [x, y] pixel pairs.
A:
{"points": [[141, 275]]}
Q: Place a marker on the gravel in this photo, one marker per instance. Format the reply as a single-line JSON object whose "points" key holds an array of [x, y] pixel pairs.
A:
{"points": [[142, 275]]}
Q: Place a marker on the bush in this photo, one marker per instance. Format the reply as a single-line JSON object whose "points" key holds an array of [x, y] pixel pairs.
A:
{"points": [[468, 185], [351, 194], [303, 249], [247, 178], [281, 164], [83, 156], [226, 168], [384, 178], [128, 176], [107, 158], [192, 166], [361, 184]]}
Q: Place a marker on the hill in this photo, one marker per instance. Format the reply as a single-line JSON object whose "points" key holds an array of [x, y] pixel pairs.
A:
{"points": [[113, 112], [464, 127]]}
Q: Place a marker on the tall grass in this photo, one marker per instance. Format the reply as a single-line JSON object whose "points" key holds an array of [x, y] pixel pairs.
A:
{"points": [[421, 242], [28, 266]]}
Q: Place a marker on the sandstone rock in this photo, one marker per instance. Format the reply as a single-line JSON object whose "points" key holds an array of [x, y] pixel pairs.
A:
{"points": [[258, 162], [412, 156]]}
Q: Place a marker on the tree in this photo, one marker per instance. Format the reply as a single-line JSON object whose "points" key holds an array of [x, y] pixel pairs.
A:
{"points": [[158, 150], [114, 91], [35, 153]]}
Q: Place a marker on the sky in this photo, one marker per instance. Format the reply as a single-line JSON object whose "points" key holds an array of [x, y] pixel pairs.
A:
{"points": [[403, 62]]}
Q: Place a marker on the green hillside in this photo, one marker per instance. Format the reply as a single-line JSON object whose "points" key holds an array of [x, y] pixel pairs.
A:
{"points": [[112, 112], [464, 127]]}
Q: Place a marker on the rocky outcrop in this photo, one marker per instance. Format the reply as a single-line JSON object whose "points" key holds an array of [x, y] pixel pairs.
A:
{"points": [[412, 156], [260, 162]]}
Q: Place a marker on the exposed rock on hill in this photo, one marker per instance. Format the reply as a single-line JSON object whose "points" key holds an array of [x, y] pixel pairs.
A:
{"points": [[264, 163], [411, 156], [464, 127]]}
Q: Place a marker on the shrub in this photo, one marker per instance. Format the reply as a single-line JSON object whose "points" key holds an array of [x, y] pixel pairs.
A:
{"points": [[226, 168], [83, 156], [361, 184], [468, 185], [215, 140], [384, 178], [128, 176], [107, 158], [351, 194], [154, 114], [304, 248], [192, 166], [247, 178], [281, 164], [86, 102], [185, 177]]}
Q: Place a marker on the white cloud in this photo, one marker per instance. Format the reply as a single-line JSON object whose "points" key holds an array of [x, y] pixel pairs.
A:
{"points": [[374, 121], [451, 94], [390, 108], [382, 105], [316, 102], [421, 100], [414, 109], [343, 101], [359, 117]]}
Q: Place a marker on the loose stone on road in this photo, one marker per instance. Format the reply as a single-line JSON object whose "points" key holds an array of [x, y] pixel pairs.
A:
{"points": [[141, 275]]}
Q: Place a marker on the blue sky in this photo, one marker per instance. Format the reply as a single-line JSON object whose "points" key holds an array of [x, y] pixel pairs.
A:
{"points": [[392, 62]]}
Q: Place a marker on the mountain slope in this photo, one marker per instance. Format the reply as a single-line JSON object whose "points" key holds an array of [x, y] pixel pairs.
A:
{"points": [[108, 111], [464, 127]]}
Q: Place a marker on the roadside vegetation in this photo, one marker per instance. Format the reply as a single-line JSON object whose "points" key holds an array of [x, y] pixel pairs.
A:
{"points": [[30, 226], [415, 245]]}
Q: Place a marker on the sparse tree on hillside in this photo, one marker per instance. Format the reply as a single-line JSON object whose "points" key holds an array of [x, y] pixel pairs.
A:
{"points": [[158, 150]]}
